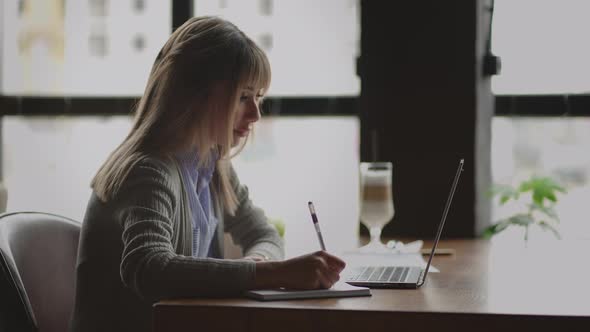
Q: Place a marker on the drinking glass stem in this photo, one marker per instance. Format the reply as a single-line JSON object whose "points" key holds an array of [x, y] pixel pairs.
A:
{"points": [[375, 235]]}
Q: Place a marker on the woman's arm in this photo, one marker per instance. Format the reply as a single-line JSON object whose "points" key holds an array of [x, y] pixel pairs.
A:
{"points": [[249, 226], [151, 268], [149, 265]]}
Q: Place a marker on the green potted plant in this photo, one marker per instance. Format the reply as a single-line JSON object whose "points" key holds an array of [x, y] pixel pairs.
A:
{"points": [[279, 224], [538, 208]]}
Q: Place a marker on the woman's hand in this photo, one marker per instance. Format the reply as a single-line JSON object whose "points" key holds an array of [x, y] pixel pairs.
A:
{"points": [[312, 271]]}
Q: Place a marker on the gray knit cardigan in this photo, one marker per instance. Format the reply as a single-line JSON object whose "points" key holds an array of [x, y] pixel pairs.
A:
{"points": [[136, 249]]}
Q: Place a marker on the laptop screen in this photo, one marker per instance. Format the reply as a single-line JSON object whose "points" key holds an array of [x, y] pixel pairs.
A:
{"points": [[444, 217]]}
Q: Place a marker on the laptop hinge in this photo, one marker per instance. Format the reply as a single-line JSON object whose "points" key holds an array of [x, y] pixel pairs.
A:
{"points": [[421, 279]]}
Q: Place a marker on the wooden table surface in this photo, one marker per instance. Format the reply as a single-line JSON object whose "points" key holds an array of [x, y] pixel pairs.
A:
{"points": [[482, 287]]}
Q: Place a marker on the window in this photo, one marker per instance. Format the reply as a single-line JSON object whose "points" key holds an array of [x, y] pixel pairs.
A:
{"points": [[48, 163], [555, 147], [544, 57], [312, 45], [543, 46], [81, 48]]}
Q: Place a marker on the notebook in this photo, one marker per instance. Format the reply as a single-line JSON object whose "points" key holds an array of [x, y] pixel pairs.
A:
{"points": [[402, 276], [339, 289]]}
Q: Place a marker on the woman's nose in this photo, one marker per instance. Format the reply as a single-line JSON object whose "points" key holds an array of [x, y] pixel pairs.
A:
{"points": [[253, 112]]}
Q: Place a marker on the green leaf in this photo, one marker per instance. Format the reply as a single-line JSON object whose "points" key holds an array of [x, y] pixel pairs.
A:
{"points": [[543, 188], [525, 186], [488, 232], [495, 229], [521, 219], [505, 192], [548, 227], [546, 210]]}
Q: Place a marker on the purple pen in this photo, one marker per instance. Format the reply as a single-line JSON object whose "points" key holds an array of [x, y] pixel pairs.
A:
{"points": [[316, 224]]}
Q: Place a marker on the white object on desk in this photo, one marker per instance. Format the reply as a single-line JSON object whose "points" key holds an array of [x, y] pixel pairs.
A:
{"points": [[405, 248]]}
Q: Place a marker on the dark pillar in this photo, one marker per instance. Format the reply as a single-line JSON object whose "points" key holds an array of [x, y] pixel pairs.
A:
{"points": [[182, 10], [424, 96]]}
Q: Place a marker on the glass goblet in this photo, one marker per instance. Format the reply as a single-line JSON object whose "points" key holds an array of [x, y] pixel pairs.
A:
{"points": [[376, 205]]}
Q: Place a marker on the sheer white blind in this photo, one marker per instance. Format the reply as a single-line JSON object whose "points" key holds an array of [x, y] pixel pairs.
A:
{"points": [[543, 45]]}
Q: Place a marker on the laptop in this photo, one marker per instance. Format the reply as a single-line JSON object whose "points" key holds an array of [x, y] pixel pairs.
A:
{"points": [[402, 276]]}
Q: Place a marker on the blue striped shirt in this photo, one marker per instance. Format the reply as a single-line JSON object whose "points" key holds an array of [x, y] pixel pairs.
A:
{"points": [[196, 181]]}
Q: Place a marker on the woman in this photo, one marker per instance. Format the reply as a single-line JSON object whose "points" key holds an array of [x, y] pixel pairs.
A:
{"points": [[154, 225]]}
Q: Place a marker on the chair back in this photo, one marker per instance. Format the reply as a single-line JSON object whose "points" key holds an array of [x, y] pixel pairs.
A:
{"points": [[37, 271]]}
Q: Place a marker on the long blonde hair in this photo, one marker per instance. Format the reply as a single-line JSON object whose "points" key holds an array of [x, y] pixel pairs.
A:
{"points": [[190, 102]]}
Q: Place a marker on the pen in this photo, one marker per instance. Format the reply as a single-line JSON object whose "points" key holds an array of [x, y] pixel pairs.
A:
{"points": [[316, 224]]}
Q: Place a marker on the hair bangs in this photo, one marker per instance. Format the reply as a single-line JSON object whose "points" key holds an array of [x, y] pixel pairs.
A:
{"points": [[255, 71]]}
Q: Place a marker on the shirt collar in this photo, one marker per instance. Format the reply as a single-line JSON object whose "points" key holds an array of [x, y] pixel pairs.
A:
{"points": [[189, 160]]}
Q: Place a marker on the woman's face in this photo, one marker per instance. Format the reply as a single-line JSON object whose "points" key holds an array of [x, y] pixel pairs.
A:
{"points": [[247, 114]]}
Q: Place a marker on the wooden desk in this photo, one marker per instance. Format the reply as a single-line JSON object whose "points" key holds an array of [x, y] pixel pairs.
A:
{"points": [[483, 287]]}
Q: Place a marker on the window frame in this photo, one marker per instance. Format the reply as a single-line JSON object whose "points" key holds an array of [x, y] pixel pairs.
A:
{"points": [[551, 105], [182, 10], [90, 106]]}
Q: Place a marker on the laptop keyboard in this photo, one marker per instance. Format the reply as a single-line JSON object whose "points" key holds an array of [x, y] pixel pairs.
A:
{"points": [[379, 274]]}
